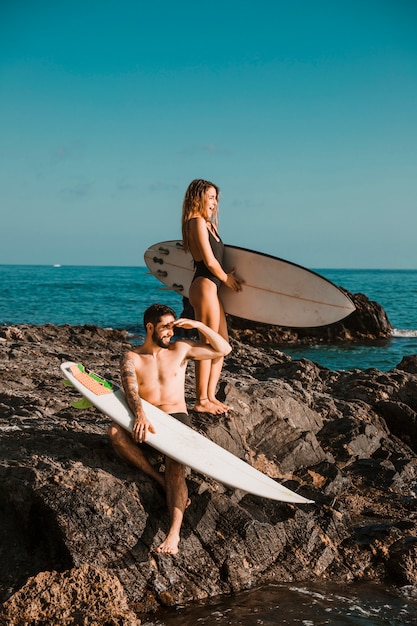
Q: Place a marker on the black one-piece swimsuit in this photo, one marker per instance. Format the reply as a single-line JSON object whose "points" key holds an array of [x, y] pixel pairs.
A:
{"points": [[201, 268]]}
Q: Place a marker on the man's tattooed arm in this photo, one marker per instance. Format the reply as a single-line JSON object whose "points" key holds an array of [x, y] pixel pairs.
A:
{"points": [[141, 425], [130, 383]]}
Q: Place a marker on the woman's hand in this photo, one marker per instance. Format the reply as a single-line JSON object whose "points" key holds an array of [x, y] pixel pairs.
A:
{"points": [[234, 283]]}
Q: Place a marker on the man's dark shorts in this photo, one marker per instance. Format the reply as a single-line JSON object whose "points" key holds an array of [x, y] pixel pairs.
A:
{"points": [[184, 418]]}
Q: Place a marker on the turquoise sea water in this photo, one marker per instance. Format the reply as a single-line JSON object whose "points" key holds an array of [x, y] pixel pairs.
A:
{"points": [[396, 291], [115, 297]]}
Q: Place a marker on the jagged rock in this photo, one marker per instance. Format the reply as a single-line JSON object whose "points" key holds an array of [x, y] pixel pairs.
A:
{"points": [[343, 439], [85, 595], [402, 561]]}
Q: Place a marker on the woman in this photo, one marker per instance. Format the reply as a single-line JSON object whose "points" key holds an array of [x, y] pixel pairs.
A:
{"points": [[201, 238]]}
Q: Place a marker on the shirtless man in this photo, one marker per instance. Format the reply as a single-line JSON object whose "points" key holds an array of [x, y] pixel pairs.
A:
{"points": [[155, 371]]}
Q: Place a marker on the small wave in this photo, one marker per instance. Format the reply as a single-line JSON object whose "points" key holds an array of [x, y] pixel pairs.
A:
{"points": [[5, 429], [408, 591], [404, 333]]}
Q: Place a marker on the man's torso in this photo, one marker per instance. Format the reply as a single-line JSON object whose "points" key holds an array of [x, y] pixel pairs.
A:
{"points": [[161, 378]]}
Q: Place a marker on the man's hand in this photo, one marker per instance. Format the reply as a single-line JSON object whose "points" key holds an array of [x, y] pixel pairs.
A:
{"points": [[141, 427], [183, 322]]}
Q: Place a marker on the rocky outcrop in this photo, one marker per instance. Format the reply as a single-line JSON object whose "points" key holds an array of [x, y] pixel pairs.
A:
{"points": [[368, 322], [72, 515], [81, 595]]}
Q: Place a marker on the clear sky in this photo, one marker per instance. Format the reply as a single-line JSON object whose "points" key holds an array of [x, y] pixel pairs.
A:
{"points": [[303, 112]]}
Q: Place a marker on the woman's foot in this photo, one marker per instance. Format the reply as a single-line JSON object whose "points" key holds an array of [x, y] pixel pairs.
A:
{"points": [[214, 407], [225, 407]]}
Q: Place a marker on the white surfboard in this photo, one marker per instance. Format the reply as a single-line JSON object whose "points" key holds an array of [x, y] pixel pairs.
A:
{"points": [[275, 291], [178, 441]]}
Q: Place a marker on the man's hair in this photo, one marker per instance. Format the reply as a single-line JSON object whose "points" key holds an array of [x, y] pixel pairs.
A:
{"points": [[154, 313], [193, 203]]}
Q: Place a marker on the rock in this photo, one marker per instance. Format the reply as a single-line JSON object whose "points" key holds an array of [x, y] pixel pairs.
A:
{"points": [[85, 595], [73, 513], [402, 561]]}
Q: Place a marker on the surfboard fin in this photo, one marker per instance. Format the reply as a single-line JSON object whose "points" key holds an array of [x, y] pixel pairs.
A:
{"points": [[82, 403]]}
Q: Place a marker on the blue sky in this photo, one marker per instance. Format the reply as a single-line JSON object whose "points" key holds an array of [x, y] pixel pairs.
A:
{"points": [[304, 113]]}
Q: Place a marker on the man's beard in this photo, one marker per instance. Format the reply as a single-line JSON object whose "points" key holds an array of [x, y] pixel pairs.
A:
{"points": [[159, 341]]}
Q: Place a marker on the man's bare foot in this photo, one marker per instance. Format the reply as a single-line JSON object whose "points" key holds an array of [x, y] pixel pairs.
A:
{"points": [[207, 406], [170, 545]]}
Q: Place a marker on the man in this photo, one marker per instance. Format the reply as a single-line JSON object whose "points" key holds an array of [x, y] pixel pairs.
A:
{"points": [[155, 371]]}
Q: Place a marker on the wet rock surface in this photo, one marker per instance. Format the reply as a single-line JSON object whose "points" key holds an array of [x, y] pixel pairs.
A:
{"points": [[74, 516]]}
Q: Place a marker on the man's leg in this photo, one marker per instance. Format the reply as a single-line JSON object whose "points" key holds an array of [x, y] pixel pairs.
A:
{"points": [[177, 501], [129, 451]]}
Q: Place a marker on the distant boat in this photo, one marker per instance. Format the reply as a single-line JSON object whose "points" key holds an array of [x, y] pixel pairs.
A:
{"points": [[57, 265]]}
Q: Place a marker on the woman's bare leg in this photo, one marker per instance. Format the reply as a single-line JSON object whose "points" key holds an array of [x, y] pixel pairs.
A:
{"points": [[208, 309], [217, 365]]}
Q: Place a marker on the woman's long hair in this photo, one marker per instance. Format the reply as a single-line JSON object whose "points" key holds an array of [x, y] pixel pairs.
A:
{"points": [[193, 205]]}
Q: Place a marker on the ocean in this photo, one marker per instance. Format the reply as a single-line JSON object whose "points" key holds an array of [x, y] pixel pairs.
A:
{"points": [[116, 297], [295, 604]]}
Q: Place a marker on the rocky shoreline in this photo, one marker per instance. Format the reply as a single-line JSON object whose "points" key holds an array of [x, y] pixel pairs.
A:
{"points": [[78, 525]]}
